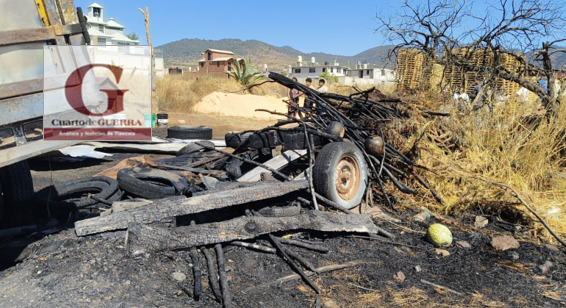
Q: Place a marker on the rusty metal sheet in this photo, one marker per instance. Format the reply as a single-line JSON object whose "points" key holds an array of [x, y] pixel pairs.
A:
{"points": [[67, 8], [21, 108], [52, 12], [37, 35], [27, 35], [21, 88], [67, 29]]}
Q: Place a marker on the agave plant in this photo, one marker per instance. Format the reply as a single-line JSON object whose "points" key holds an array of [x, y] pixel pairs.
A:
{"points": [[245, 75]]}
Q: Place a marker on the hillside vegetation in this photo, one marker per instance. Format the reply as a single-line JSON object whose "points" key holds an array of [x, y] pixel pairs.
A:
{"points": [[187, 51]]}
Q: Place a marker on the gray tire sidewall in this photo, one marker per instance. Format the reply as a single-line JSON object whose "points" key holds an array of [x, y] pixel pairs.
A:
{"points": [[190, 132], [332, 193]]}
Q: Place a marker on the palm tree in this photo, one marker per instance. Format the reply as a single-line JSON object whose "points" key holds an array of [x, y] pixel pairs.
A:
{"points": [[133, 36], [246, 75]]}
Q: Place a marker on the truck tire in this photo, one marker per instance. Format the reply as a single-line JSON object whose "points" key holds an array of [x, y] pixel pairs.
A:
{"points": [[17, 182], [190, 132], [17, 190], [234, 139], [340, 174], [151, 183]]}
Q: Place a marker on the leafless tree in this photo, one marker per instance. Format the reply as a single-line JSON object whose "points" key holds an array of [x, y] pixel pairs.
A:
{"points": [[452, 32]]}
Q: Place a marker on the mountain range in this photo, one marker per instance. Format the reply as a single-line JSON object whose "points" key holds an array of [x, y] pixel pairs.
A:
{"points": [[187, 52]]}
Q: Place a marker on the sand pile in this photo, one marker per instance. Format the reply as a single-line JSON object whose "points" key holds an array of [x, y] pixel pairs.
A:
{"points": [[229, 104]]}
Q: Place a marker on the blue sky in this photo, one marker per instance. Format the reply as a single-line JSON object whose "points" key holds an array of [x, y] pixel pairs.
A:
{"points": [[332, 26]]}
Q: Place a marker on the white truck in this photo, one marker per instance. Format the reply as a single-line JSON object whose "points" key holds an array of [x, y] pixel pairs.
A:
{"points": [[26, 27]]}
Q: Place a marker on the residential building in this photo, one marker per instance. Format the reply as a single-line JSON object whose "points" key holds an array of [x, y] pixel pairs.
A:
{"points": [[105, 32], [313, 70], [214, 62], [364, 74]]}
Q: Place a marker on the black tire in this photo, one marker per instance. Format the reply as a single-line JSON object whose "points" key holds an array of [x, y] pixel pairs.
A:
{"points": [[151, 183], [1, 203], [63, 198], [347, 158], [17, 182], [190, 132], [193, 148], [234, 139], [17, 190]]}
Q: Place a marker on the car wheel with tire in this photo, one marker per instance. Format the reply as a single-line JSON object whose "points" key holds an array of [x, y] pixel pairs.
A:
{"points": [[340, 174], [190, 132]]}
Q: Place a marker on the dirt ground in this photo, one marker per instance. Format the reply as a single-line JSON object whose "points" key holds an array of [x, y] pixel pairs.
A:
{"points": [[62, 270], [65, 271]]}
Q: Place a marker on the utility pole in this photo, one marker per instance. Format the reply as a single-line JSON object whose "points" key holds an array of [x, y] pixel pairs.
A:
{"points": [[154, 106]]}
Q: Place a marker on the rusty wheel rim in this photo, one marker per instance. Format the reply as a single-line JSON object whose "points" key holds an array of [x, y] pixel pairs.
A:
{"points": [[347, 177]]}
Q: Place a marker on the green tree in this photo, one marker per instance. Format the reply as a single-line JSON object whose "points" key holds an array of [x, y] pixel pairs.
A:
{"points": [[330, 78], [247, 75], [133, 36]]}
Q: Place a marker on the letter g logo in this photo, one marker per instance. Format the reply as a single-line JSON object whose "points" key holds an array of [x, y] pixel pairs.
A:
{"points": [[73, 91]]}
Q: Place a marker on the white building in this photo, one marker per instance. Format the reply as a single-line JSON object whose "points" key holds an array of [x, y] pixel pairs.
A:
{"points": [[313, 70], [105, 32], [363, 74]]}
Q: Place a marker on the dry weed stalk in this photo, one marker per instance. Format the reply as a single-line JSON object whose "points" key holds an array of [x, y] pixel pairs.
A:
{"points": [[473, 156]]}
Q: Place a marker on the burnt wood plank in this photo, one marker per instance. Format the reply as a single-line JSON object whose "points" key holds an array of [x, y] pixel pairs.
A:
{"points": [[142, 238], [163, 208]]}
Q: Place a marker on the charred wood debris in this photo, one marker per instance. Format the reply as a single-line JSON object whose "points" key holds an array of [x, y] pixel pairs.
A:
{"points": [[219, 209]]}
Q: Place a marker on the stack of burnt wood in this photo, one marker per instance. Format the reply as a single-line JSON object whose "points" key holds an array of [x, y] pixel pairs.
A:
{"points": [[300, 174]]}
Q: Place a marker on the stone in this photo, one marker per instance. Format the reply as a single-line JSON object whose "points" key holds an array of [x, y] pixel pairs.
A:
{"points": [[545, 267], [464, 244], [481, 222], [552, 247], [418, 269], [330, 304], [504, 242], [178, 276], [399, 277], [442, 252]]}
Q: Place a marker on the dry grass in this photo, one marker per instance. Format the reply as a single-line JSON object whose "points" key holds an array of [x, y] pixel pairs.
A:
{"points": [[466, 151], [179, 93], [347, 90]]}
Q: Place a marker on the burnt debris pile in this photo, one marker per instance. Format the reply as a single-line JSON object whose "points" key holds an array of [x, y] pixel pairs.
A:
{"points": [[306, 173]]}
